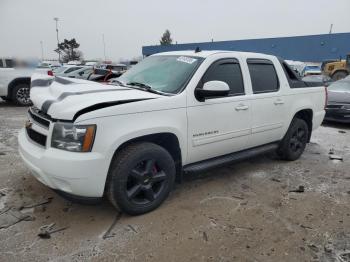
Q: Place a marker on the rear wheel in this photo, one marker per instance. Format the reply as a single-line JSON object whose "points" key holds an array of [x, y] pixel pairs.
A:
{"points": [[20, 95], [294, 142], [339, 75], [140, 178]]}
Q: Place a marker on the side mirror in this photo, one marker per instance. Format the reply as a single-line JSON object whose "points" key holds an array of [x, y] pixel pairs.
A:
{"points": [[212, 89]]}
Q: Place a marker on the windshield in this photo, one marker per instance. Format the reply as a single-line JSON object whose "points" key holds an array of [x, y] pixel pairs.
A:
{"points": [[167, 74], [312, 68], [340, 86]]}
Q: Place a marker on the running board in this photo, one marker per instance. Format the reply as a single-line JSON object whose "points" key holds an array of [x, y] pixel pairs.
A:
{"points": [[234, 157]]}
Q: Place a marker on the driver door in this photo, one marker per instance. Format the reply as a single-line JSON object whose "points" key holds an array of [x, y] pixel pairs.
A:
{"points": [[219, 125]]}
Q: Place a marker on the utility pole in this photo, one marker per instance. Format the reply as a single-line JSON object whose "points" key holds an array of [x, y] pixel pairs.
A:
{"points": [[59, 52], [42, 50], [330, 29], [104, 46]]}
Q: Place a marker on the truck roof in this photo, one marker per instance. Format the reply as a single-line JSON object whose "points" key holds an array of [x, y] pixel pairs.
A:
{"points": [[206, 53]]}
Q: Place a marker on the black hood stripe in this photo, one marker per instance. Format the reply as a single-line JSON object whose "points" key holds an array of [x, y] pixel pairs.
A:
{"points": [[48, 82], [63, 81], [41, 83], [106, 104], [46, 105]]}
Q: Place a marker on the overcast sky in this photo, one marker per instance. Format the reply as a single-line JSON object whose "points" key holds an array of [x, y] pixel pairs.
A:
{"points": [[130, 24]]}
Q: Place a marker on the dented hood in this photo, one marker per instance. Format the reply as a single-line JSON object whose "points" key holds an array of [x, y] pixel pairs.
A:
{"points": [[66, 99]]}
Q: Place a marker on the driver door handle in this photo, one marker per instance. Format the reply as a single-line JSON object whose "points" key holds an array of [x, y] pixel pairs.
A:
{"points": [[241, 107], [278, 102]]}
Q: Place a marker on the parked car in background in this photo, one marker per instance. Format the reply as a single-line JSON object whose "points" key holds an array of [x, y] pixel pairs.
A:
{"points": [[82, 73], [173, 113], [66, 69], [118, 69], [102, 75], [321, 79], [15, 80], [338, 106], [311, 70]]}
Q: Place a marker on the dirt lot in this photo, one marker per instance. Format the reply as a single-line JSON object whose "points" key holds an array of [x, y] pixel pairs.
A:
{"points": [[242, 212]]}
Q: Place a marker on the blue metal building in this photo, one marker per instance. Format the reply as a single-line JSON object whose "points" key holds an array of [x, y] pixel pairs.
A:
{"points": [[310, 48]]}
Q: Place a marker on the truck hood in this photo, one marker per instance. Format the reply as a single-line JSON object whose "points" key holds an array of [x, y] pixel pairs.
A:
{"points": [[66, 98]]}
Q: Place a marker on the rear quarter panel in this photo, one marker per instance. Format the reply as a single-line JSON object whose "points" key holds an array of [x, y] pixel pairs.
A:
{"points": [[313, 98]]}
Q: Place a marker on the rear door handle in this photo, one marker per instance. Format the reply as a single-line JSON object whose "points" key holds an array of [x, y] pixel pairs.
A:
{"points": [[241, 107], [278, 102]]}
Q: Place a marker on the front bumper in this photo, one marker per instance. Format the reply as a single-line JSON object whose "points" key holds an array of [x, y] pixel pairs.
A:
{"points": [[79, 174]]}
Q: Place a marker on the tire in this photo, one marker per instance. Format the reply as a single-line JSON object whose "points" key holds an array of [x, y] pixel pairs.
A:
{"points": [[294, 142], [339, 75], [20, 95], [140, 178]]}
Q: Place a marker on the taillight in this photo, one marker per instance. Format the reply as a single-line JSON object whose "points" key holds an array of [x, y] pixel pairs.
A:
{"points": [[50, 73], [326, 97]]}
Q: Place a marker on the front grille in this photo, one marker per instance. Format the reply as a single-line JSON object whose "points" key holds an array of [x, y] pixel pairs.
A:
{"points": [[36, 137], [39, 118]]}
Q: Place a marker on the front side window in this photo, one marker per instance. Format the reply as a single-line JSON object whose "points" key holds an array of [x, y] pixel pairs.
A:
{"points": [[168, 74], [1, 63], [263, 76], [228, 71]]}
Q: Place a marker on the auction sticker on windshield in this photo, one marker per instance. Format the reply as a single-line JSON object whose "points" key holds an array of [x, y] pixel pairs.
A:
{"points": [[185, 59]]}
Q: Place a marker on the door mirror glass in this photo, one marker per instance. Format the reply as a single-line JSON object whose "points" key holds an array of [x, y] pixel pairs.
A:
{"points": [[212, 89]]}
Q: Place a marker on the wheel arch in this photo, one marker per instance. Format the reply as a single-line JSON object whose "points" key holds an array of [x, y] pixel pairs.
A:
{"points": [[306, 115], [168, 140], [15, 82]]}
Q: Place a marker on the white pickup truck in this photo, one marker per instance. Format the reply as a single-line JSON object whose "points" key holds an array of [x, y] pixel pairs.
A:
{"points": [[171, 114], [15, 81]]}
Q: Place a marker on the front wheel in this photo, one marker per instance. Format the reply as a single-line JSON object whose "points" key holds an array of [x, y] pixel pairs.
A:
{"points": [[294, 142], [339, 75], [20, 95], [140, 178]]}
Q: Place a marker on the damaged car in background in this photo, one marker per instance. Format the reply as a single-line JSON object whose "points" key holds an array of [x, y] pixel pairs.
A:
{"points": [[338, 106], [130, 140]]}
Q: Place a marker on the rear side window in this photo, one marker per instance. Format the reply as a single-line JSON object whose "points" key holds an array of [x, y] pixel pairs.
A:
{"points": [[1, 63], [228, 71], [9, 63], [263, 76]]}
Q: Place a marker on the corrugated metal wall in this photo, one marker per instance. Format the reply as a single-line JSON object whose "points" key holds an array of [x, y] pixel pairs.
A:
{"points": [[311, 48]]}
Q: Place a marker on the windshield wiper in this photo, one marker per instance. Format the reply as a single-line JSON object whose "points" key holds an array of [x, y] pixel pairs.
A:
{"points": [[145, 87]]}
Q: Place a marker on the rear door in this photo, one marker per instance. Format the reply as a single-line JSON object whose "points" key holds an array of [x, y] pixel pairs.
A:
{"points": [[219, 125], [268, 104]]}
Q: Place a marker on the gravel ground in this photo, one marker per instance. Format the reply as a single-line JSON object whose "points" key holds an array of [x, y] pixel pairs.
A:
{"points": [[242, 212]]}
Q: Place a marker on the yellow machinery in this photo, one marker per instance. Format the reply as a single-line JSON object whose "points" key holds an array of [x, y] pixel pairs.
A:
{"points": [[339, 69]]}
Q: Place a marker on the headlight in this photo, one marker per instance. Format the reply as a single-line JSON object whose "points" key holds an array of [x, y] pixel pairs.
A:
{"points": [[346, 107], [75, 138]]}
